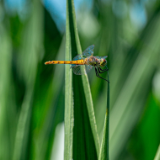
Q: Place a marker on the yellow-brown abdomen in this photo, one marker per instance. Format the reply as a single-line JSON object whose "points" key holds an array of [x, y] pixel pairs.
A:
{"points": [[79, 62]]}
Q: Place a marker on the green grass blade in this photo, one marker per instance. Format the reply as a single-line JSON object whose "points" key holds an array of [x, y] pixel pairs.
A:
{"points": [[68, 144], [104, 151], [45, 119], [131, 85], [157, 157], [28, 61], [85, 137], [87, 91], [5, 88], [134, 92]]}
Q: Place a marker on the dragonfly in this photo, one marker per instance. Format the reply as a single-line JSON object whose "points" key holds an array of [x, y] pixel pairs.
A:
{"points": [[87, 60]]}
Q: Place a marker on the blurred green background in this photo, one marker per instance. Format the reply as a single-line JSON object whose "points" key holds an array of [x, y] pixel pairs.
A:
{"points": [[32, 94]]}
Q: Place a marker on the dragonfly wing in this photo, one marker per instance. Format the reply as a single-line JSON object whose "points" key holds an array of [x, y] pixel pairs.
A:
{"points": [[89, 51], [81, 69], [88, 68], [78, 57], [78, 69], [99, 57], [104, 57]]}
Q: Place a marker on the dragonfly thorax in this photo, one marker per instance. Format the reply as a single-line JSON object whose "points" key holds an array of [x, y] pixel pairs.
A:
{"points": [[94, 61]]}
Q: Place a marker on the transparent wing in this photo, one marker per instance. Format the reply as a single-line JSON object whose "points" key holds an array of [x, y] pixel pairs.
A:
{"points": [[81, 69], [88, 52], [99, 57], [104, 57], [88, 68], [77, 57], [76, 68]]}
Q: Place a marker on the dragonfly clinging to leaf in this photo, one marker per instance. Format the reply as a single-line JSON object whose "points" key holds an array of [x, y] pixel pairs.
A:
{"points": [[88, 60]]}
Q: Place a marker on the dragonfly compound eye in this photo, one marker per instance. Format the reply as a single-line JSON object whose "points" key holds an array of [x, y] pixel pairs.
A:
{"points": [[103, 62]]}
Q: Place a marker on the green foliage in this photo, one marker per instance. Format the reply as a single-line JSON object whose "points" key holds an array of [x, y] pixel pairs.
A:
{"points": [[36, 99]]}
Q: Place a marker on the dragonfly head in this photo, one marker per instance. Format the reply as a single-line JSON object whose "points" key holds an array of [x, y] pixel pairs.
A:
{"points": [[103, 61]]}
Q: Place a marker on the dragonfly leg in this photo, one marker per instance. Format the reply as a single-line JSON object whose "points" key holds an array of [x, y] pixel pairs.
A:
{"points": [[102, 70], [97, 74]]}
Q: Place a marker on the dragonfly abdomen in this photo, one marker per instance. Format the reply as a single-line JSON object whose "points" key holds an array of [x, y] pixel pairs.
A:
{"points": [[78, 62]]}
